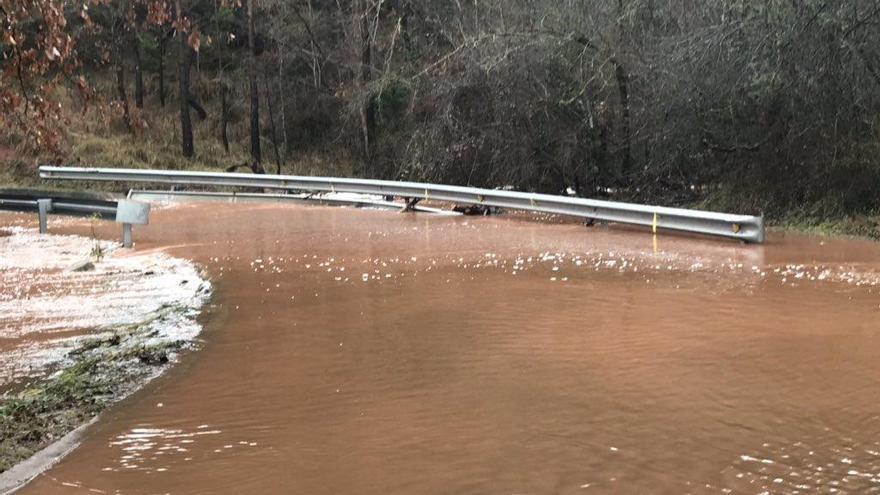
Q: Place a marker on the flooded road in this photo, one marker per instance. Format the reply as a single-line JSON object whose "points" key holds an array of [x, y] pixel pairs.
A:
{"points": [[372, 352]]}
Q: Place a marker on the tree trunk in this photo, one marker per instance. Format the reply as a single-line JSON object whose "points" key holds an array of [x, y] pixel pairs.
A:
{"points": [[368, 113], [162, 41], [123, 97], [200, 110], [224, 117], [138, 74], [623, 89], [183, 90], [224, 101], [601, 127], [284, 140], [402, 8], [256, 154], [272, 128], [622, 77]]}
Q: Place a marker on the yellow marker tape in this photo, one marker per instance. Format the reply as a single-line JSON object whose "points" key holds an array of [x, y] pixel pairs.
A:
{"points": [[736, 228], [656, 221], [482, 198]]}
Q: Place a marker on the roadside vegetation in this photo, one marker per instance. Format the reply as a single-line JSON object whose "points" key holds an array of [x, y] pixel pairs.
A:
{"points": [[755, 107], [98, 373]]}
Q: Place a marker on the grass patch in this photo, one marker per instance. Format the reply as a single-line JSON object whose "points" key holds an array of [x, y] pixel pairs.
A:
{"points": [[36, 417], [863, 226]]}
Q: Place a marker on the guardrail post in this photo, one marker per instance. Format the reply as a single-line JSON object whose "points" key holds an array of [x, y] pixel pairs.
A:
{"points": [[129, 212], [127, 241], [44, 206]]}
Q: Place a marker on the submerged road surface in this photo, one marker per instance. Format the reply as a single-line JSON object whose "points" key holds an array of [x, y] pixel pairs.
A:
{"points": [[365, 352]]}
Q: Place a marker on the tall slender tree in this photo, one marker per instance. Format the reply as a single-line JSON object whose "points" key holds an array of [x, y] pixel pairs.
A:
{"points": [[271, 114], [162, 42], [185, 61], [122, 95], [138, 72], [256, 154], [119, 32], [368, 110], [221, 81]]}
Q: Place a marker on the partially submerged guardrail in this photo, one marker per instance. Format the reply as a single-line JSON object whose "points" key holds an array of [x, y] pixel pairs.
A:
{"points": [[741, 227], [124, 211], [355, 200]]}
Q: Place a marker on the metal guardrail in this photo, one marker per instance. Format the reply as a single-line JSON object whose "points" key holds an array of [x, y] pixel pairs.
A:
{"points": [[741, 227], [61, 206], [17, 204], [46, 204]]}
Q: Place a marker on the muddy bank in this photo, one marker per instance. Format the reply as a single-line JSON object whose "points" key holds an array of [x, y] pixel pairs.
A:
{"points": [[82, 325]]}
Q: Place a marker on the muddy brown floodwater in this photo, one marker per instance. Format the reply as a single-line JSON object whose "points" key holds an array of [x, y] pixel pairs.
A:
{"points": [[366, 352]]}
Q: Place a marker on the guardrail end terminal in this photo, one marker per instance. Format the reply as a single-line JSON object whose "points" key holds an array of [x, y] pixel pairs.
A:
{"points": [[762, 230]]}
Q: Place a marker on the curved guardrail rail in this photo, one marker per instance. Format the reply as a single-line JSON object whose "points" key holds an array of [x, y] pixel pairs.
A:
{"points": [[746, 228]]}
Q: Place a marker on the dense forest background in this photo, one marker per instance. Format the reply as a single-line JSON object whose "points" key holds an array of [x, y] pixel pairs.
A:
{"points": [[751, 105]]}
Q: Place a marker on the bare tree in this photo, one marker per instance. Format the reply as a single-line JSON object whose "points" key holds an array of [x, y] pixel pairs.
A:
{"points": [[185, 57], [364, 13], [269, 104], [138, 72], [221, 80], [256, 154]]}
